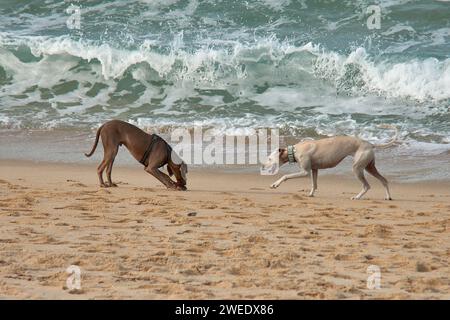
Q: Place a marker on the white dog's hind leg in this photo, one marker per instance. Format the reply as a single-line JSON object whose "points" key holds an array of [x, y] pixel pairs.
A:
{"points": [[366, 186], [362, 159], [287, 177], [359, 172], [373, 171], [313, 182]]}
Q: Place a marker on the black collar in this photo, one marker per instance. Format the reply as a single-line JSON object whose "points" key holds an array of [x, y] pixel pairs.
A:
{"points": [[147, 152]]}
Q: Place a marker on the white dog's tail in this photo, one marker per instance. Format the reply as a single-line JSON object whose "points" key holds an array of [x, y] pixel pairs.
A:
{"points": [[394, 139]]}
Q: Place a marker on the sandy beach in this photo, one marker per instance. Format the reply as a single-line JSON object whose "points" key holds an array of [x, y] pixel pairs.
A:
{"points": [[228, 237]]}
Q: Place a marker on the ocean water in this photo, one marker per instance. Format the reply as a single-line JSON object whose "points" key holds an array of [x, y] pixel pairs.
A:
{"points": [[310, 68]]}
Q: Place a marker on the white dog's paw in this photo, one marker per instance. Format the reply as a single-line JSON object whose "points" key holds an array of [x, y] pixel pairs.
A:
{"points": [[274, 185], [355, 198]]}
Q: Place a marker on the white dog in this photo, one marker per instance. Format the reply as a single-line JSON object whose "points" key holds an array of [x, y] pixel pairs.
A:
{"points": [[312, 155]]}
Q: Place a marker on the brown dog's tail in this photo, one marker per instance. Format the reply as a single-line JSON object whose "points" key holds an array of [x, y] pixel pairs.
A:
{"points": [[393, 140], [95, 143]]}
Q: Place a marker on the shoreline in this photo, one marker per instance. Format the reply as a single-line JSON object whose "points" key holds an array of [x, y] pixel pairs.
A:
{"points": [[228, 237], [400, 163], [251, 171]]}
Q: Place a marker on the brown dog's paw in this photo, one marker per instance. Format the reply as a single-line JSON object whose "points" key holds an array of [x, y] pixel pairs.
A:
{"points": [[109, 185], [180, 186]]}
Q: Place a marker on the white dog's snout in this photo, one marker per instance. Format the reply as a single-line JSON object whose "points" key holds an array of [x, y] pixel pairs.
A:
{"points": [[271, 165], [273, 169]]}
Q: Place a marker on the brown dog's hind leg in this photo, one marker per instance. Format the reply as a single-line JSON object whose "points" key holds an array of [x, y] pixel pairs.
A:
{"points": [[100, 170], [164, 178], [111, 158]]}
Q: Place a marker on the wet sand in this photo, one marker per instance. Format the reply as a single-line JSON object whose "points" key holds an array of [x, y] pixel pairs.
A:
{"points": [[228, 237]]}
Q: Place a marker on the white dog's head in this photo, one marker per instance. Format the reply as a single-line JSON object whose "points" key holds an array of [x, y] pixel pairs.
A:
{"points": [[274, 161]]}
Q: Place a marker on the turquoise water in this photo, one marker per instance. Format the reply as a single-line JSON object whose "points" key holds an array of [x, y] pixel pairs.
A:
{"points": [[310, 68]]}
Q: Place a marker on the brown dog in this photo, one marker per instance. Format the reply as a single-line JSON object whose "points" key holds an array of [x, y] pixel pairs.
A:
{"points": [[149, 149]]}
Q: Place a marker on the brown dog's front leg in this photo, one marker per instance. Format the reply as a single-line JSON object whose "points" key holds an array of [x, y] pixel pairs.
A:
{"points": [[164, 178]]}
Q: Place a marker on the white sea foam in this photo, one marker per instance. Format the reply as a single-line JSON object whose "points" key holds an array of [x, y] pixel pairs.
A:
{"points": [[297, 77], [421, 80]]}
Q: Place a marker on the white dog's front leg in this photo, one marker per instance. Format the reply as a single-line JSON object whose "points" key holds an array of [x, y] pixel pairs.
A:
{"points": [[313, 182], [287, 177]]}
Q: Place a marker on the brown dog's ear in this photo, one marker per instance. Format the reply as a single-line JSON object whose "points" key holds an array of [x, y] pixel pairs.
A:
{"points": [[169, 170]]}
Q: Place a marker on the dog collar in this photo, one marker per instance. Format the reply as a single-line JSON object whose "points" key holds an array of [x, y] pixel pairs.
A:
{"points": [[291, 152], [147, 152]]}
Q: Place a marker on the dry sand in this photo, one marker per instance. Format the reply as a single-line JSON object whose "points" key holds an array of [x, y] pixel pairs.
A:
{"points": [[229, 236]]}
